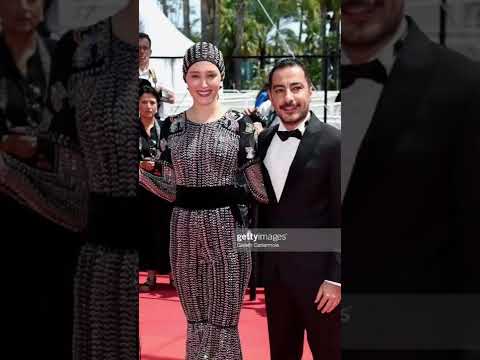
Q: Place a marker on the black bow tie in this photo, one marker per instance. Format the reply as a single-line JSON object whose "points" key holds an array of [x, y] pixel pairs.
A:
{"points": [[373, 70], [284, 135]]}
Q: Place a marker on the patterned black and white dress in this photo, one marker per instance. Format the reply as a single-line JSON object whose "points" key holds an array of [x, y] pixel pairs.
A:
{"points": [[206, 169], [93, 147]]}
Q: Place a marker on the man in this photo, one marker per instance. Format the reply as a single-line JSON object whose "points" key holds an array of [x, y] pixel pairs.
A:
{"points": [[147, 72], [410, 182], [301, 158]]}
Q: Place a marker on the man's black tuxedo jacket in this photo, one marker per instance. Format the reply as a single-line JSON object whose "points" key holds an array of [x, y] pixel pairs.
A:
{"points": [[411, 210], [310, 199]]}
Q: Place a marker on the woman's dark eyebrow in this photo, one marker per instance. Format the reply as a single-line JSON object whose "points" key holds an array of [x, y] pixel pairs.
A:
{"points": [[199, 72]]}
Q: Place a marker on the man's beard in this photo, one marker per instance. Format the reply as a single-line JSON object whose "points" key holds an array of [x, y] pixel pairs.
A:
{"points": [[297, 120]]}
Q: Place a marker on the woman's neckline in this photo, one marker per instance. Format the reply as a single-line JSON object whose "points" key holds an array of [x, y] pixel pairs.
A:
{"points": [[203, 123]]}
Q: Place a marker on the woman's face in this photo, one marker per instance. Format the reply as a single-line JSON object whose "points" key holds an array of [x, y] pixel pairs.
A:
{"points": [[147, 106], [203, 82], [21, 16]]}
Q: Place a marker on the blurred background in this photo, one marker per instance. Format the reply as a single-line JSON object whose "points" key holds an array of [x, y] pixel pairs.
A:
{"points": [[252, 35], [454, 23]]}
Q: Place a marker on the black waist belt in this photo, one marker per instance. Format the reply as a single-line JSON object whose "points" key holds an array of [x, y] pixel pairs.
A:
{"points": [[209, 197]]}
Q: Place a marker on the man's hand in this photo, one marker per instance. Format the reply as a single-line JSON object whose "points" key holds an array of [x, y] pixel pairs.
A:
{"points": [[258, 127], [249, 111], [252, 112], [21, 146], [328, 297], [147, 165]]}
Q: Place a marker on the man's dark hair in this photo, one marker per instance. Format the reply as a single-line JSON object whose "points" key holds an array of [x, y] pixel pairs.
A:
{"points": [[288, 62], [145, 36]]}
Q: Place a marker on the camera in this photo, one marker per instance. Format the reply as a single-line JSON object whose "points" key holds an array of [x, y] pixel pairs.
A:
{"points": [[257, 117]]}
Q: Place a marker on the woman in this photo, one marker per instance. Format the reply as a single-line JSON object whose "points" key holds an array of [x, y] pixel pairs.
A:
{"points": [[155, 211], [25, 66], [206, 158], [94, 104]]}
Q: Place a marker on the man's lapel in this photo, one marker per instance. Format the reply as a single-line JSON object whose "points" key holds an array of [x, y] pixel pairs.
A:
{"points": [[264, 141], [396, 109], [303, 153]]}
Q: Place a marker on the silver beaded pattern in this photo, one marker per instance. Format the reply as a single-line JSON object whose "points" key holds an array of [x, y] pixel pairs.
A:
{"points": [[103, 90], [106, 283], [210, 274], [106, 113], [203, 51]]}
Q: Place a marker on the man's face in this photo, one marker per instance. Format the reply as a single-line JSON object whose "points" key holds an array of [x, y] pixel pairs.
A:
{"points": [[290, 95], [370, 22], [21, 15], [144, 51]]}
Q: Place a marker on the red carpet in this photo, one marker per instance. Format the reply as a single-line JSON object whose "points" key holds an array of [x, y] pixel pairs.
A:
{"points": [[163, 326]]}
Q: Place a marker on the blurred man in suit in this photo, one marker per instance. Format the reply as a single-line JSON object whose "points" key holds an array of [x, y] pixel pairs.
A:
{"points": [[410, 183]]}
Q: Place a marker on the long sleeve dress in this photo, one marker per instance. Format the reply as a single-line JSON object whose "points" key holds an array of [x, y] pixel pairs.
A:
{"points": [[206, 170], [93, 148]]}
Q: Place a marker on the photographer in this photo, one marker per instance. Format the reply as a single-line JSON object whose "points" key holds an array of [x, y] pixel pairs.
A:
{"points": [[154, 255], [147, 72], [148, 106]]}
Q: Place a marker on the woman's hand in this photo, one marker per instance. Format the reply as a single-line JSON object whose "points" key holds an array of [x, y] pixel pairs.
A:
{"points": [[21, 146], [147, 165]]}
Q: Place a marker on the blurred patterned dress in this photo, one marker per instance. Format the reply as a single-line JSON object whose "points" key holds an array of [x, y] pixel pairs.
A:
{"points": [[92, 144], [211, 171]]}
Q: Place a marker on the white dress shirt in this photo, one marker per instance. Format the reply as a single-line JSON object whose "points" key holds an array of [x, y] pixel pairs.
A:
{"points": [[359, 102], [279, 158], [149, 74]]}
